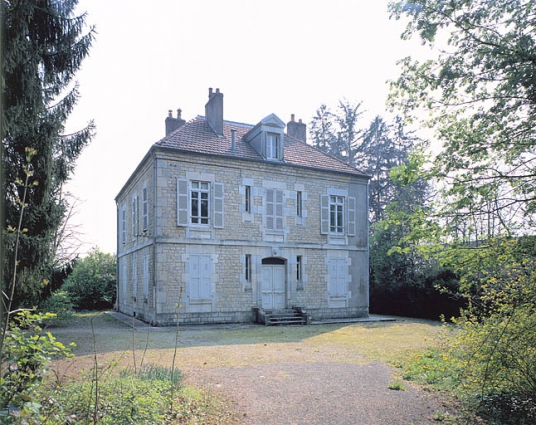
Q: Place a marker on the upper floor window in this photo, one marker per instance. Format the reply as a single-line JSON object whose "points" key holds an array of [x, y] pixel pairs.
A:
{"points": [[274, 210], [299, 204], [123, 225], [199, 202], [247, 205], [135, 215], [336, 214], [145, 209], [273, 146]]}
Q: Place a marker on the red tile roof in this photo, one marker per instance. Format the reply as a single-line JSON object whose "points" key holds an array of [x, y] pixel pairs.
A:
{"points": [[196, 136]]}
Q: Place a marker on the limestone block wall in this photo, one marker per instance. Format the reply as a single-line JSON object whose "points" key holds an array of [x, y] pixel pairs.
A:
{"points": [[229, 294]]}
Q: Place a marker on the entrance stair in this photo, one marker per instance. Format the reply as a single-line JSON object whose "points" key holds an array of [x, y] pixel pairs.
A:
{"points": [[294, 316]]}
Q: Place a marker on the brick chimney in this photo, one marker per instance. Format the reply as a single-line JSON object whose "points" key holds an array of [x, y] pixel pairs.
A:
{"points": [[214, 111], [297, 129], [173, 123]]}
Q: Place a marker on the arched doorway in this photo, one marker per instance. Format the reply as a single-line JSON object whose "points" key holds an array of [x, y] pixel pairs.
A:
{"points": [[273, 285]]}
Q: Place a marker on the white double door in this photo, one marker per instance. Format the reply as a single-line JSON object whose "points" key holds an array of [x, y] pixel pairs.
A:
{"points": [[273, 287]]}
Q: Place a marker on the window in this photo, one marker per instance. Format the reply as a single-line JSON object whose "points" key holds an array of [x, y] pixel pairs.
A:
{"points": [[247, 268], [248, 199], [123, 279], [123, 225], [336, 214], [200, 285], [195, 205], [299, 208], [145, 209], [338, 270], [146, 276], [299, 272], [274, 210], [272, 146], [135, 276], [135, 224], [199, 202]]}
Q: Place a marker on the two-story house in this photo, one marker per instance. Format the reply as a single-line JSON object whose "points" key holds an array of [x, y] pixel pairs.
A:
{"points": [[223, 220]]}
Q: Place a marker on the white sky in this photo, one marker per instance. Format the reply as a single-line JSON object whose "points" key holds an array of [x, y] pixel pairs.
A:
{"points": [[277, 56]]}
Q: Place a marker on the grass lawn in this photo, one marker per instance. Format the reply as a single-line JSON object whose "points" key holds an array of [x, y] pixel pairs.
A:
{"points": [[212, 346], [118, 347]]}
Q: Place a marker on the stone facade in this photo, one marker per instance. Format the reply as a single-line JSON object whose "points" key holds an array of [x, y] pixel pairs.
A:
{"points": [[205, 237]]}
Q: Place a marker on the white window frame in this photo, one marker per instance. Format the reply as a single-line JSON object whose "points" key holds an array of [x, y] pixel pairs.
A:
{"points": [[336, 214], [273, 146], [197, 190]]}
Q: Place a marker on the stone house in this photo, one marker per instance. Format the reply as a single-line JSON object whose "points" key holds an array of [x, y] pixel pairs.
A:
{"points": [[228, 222]]}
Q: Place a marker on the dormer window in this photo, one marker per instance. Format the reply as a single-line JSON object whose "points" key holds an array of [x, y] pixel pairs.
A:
{"points": [[267, 138], [273, 146]]}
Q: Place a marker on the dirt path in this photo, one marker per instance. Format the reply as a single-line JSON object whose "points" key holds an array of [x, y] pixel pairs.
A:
{"points": [[331, 393]]}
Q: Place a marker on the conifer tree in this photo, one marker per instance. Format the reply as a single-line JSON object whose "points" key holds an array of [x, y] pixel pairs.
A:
{"points": [[45, 43]]}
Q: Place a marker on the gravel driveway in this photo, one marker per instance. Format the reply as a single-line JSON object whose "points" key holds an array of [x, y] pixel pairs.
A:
{"points": [[327, 393]]}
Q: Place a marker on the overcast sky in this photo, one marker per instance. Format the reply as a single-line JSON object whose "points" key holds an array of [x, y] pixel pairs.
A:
{"points": [[279, 56]]}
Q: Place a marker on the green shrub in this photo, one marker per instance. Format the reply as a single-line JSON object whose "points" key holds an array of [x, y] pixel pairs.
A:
{"points": [[25, 357], [92, 284], [149, 396], [60, 304]]}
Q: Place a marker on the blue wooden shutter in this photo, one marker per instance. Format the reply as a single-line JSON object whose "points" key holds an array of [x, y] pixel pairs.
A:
{"points": [[351, 216], [324, 214], [278, 203], [270, 209], [218, 205], [182, 202]]}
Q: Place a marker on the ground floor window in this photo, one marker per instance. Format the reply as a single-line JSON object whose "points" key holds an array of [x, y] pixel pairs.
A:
{"points": [[338, 271], [200, 277]]}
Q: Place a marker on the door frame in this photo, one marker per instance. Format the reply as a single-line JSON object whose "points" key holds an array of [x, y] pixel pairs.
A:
{"points": [[274, 263]]}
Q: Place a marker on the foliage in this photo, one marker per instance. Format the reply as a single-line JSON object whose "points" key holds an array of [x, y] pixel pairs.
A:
{"points": [[60, 304], [480, 93], [92, 284], [396, 386], [491, 361], [44, 45], [27, 351], [130, 398], [337, 133]]}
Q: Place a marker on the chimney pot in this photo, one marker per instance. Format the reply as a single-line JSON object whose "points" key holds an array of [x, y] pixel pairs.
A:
{"points": [[214, 111], [173, 124], [297, 130]]}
